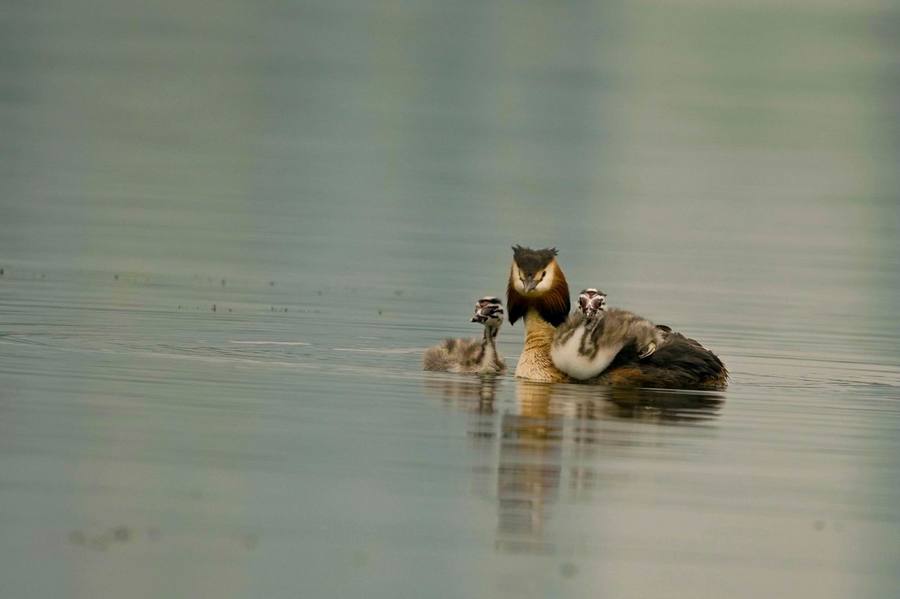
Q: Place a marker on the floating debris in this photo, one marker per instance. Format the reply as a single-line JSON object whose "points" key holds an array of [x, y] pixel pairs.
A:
{"points": [[568, 570], [122, 534], [250, 541], [101, 541]]}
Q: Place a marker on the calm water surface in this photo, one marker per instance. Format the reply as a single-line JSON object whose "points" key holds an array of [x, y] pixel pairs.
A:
{"points": [[227, 237]]}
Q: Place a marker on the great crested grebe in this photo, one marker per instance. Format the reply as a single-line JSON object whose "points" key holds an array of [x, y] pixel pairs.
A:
{"points": [[471, 355], [538, 292], [593, 336]]}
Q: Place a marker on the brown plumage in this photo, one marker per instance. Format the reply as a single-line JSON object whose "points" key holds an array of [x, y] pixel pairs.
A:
{"points": [[678, 363]]}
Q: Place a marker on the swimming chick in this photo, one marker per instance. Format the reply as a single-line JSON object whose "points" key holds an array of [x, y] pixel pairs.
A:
{"points": [[471, 355], [591, 338]]}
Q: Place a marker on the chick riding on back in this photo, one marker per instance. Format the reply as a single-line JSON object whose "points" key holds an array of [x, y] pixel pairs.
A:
{"points": [[588, 342]]}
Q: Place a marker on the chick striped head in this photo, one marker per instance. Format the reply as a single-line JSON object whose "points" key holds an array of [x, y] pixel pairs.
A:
{"points": [[591, 302], [489, 311]]}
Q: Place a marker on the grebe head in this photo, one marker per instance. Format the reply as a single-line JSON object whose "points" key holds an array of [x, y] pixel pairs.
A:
{"points": [[592, 303], [533, 271], [489, 312], [537, 282]]}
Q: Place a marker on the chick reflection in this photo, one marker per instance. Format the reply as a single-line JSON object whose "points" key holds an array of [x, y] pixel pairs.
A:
{"points": [[529, 472], [470, 394]]}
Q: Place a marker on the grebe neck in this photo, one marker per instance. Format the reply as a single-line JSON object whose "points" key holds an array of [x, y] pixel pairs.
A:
{"points": [[535, 363]]}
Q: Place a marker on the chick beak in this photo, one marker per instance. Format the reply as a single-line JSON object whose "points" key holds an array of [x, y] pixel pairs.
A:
{"points": [[478, 317]]}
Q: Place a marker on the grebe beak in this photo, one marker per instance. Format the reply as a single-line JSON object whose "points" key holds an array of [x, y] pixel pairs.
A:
{"points": [[530, 285]]}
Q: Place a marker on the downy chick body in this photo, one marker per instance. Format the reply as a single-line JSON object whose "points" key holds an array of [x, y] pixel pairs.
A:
{"points": [[591, 338], [471, 355]]}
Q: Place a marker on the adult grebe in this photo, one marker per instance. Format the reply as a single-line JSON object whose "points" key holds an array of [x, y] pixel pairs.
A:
{"points": [[538, 292], [471, 355]]}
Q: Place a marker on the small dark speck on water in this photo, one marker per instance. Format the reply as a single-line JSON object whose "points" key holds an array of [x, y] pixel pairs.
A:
{"points": [[380, 312], [213, 307], [121, 534], [271, 283], [568, 570], [229, 309], [285, 309], [819, 524], [116, 277], [99, 542], [223, 282], [1, 272], [250, 541], [398, 292]]}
